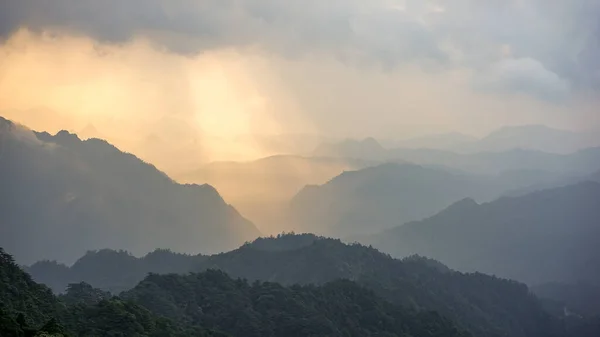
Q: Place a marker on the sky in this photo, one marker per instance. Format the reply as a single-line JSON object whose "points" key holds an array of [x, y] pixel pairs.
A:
{"points": [[182, 82]]}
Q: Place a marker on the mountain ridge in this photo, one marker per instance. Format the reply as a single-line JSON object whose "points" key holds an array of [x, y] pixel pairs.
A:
{"points": [[105, 198], [544, 236]]}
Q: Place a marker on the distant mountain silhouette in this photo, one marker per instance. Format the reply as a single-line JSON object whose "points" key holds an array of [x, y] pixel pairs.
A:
{"points": [[444, 141], [90, 131], [527, 137], [111, 270], [375, 198], [579, 299], [367, 148], [477, 157], [580, 162], [61, 196], [534, 137], [553, 182], [547, 236], [261, 189]]}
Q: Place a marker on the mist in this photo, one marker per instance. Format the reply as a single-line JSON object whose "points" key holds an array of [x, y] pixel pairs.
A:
{"points": [[181, 92], [330, 168]]}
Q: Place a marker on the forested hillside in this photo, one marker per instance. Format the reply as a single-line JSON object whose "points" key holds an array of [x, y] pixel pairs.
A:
{"points": [[481, 304], [30, 309], [201, 304]]}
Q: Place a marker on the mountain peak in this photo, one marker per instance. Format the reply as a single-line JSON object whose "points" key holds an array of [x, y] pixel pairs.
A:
{"points": [[64, 137]]}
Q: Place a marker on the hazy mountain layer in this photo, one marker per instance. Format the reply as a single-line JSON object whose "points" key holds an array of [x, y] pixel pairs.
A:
{"points": [[261, 189], [505, 149], [61, 196], [546, 236], [388, 195], [525, 137]]}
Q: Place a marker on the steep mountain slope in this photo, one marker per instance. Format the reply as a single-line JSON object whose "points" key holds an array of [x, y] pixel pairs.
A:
{"points": [[384, 196], [261, 189], [20, 294], [61, 196], [547, 236]]}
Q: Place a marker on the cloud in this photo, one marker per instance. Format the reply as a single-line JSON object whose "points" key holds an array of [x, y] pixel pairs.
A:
{"points": [[524, 76], [207, 73], [564, 36]]}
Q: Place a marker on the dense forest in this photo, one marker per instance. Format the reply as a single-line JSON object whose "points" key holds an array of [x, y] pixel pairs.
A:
{"points": [[30, 309], [202, 304], [480, 304]]}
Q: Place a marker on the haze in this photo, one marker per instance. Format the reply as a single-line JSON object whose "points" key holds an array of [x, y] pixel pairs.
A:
{"points": [[182, 84]]}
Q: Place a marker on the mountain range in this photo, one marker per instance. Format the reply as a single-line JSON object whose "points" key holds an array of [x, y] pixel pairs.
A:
{"points": [[526, 137], [261, 189], [546, 236], [480, 304], [532, 147], [387, 195], [62, 196], [207, 304]]}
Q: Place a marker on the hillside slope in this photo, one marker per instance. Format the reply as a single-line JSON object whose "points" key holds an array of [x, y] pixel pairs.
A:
{"points": [[546, 236], [61, 196]]}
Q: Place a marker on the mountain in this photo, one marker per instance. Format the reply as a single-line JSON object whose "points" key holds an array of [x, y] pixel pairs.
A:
{"points": [[476, 159], [30, 309], [202, 304], [553, 182], [368, 149], [444, 141], [581, 162], [338, 308], [484, 305], [380, 197], [111, 270], [546, 236], [261, 189], [577, 299], [61, 196], [534, 137], [481, 304], [527, 137]]}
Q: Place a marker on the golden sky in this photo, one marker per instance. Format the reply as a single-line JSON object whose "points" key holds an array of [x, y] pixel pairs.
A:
{"points": [[180, 87]]}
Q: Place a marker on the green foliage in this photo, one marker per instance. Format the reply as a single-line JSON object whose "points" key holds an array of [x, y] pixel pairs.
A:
{"points": [[110, 270], [339, 308], [30, 309], [483, 305], [20, 294]]}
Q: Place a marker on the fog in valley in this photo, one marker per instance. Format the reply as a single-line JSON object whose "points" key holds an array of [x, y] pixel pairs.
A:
{"points": [[411, 147]]}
